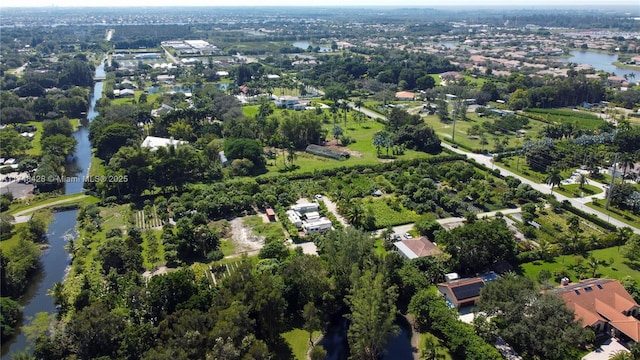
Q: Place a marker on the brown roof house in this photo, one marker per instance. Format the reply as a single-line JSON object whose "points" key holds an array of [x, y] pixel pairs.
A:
{"points": [[604, 305], [460, 293], [405, 95], [417, 248]]}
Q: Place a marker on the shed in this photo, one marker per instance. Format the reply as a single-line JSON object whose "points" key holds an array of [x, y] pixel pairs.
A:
{"points": [[271, 215]]}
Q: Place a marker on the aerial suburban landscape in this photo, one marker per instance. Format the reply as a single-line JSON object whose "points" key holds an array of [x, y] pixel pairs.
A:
{"points": [[383, 182]]}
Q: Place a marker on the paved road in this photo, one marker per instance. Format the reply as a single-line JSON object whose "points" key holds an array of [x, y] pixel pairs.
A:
{"points": [[170, 57], [544, 188], [370, 113]]}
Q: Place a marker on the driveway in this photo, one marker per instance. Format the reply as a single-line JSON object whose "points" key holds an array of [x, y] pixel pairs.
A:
{"points": [[605, 351], [331, 206]]}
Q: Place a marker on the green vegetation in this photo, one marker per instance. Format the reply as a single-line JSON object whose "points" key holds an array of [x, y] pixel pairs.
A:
{"points": [[617, 266], [389, 211], [580, 119], [298, 339]]}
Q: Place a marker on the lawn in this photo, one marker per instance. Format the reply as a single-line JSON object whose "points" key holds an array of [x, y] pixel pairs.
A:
{"points": [[365, 154], [388, 211], [573, 190], [79, 199], [580, 119], [298, 339], [508, 140], [271, 231], [147, 263], [36, 149], [618, 269]]}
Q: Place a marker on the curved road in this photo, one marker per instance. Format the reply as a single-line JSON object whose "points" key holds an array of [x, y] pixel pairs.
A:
{"points": [[578, 203], [544, 188]]}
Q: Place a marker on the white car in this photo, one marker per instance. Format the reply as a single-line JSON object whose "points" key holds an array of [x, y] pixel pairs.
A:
{"points": [[318, 196], [408, 236]]}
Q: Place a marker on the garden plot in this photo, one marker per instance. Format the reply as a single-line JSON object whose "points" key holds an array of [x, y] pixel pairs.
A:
{"points": [[147, 219]]}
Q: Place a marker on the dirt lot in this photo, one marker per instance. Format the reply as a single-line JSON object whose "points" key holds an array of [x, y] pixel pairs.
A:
{"points": [[243, 238]]}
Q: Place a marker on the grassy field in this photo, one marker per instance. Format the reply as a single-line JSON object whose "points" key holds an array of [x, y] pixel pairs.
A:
{"points": [[580, 119], [365, 152], [445, 131], [271, 231], [298, 339], [618, 269], [512, 163], [389, 211], [147, 262], [36, 149], [25, 205], [11, 242], [573, 190]]}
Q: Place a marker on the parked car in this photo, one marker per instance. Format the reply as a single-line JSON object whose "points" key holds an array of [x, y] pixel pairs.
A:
{"points": [[408, 236]]}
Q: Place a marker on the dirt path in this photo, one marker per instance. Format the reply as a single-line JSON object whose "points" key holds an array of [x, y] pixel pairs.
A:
{"points": [[38, 207]]}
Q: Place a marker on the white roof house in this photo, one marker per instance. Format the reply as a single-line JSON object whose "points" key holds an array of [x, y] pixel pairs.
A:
{"points": [[153, 143], [316, 226], [294, 218], [307, 207]]}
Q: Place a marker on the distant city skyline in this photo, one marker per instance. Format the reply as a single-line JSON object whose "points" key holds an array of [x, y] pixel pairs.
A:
{"points": [[326, 3]]}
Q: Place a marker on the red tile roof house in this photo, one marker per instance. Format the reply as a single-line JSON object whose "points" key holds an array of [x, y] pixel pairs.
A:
{"points": [[604, 305], [417, 248]]}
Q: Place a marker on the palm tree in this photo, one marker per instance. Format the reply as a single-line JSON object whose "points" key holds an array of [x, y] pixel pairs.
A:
{"points": [[553, 178], [627, 161], [583, 180]]}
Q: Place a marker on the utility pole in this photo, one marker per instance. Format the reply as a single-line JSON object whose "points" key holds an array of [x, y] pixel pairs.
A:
{"points": [[613, 177]]}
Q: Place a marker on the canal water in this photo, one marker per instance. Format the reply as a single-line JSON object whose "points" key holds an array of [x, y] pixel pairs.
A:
{"points": [[55, 259], [601, 61], [398, 347]]}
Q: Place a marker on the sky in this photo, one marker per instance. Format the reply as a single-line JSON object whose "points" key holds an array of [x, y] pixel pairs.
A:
{"points": [[324, 3]]}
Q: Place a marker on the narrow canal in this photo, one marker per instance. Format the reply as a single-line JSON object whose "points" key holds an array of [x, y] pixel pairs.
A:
{"points": [[55, 259]]}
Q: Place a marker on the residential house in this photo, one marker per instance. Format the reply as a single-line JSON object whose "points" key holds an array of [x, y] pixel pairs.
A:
{"points": [[161, 110], [153, 143], [287, 102], [416, 248], [461, 292], [316, 226], [603, 305], [465, 292], [405, 96]]}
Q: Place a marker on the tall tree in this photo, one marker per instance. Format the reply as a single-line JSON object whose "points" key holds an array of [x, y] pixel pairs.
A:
{"points": [[373, 311], [553, 178]]}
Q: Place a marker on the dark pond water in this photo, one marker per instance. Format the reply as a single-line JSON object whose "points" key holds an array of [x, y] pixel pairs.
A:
{"points": [[398, 348]]}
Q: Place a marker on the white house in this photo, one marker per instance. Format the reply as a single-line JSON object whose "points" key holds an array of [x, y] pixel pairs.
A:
{"points": [[305, 208], [287, 102], [153, 143], [316, 226], [294, 218]]}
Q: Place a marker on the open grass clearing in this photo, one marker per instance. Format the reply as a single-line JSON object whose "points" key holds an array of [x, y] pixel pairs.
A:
{"points": [[618, 269], [298, 339], [573, 190], [389, 212], [363, 151], [270, 230], [581, 119]]}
